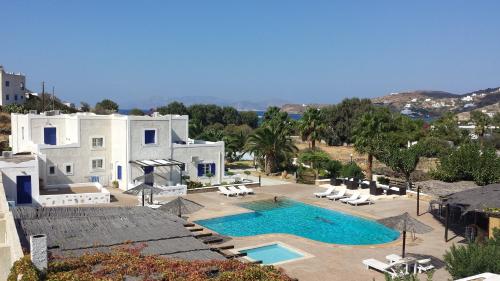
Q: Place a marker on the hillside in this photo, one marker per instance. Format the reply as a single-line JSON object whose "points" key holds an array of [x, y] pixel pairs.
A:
{"points": [[435, 103]]}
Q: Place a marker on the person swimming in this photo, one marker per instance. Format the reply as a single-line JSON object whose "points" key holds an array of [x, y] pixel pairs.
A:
{"points": [[275, 199]]}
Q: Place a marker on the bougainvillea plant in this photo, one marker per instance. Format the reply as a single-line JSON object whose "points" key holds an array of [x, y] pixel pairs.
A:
{"points": [[126, 263]]}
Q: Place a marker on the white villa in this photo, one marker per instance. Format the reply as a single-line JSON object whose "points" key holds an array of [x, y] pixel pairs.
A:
{"points": [[51, 150], [12, 88]]}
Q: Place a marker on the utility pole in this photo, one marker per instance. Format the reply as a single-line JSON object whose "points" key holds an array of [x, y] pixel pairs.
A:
{"points": [[43, 97]]}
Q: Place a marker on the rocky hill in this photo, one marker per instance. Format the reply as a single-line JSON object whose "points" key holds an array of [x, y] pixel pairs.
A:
{"points": [[434, 103]]}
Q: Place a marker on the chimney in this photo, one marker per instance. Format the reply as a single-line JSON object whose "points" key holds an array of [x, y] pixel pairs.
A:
{"points": [[38, 250]]}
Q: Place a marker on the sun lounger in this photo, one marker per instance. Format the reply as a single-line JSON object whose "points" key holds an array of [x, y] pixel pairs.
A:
{"points": [[236, 190], [224, 191], [382, 267], [353, 197], [245, 189], [325, 193], [424, 265], [363, 199], [339, 195]]}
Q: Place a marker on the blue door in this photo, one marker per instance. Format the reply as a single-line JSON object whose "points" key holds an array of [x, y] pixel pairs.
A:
{"points": [[49, 135], [23, 189], [119, 172], [149, 170]]}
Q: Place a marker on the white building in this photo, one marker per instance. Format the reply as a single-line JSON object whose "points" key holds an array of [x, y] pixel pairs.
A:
{"points": [[85, 147], [13, 87]]}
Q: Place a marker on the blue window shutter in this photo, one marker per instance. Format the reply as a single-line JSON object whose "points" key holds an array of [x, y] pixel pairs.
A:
{"points": [[49, 135], [212, 168], [200, 170], [149, 136], [119, 172]]}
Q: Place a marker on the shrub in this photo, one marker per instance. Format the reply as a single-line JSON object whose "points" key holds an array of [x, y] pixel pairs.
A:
{"points": [[478, 257], [193, 184], [317, 158], [352, 170], [434, 147], [24, 267], [383, 180], [469, 162], [333, 168], [13, 108]]}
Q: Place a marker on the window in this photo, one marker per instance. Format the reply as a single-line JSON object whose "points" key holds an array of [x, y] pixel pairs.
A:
{"points": [[119, 172], [68, 169], [52, 170], [15, 97], [21, 97], [150, 136], [97, 142], [50, 135], [7, 97], [205, 168], [97, 164], [7, 83], [22, 86]]}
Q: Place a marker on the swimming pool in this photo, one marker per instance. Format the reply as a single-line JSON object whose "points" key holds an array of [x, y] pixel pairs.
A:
{"points": [[300, 219], [272, 254]]}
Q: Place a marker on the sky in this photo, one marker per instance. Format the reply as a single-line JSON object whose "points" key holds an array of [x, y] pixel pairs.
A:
{"points": [[143, 52]]}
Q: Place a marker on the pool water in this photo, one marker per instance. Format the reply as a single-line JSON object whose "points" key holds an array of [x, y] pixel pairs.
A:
{"points": [[300, 219], [271, 254]]}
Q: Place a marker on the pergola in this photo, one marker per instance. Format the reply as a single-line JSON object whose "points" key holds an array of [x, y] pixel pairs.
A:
{"points": [[482, 200]]}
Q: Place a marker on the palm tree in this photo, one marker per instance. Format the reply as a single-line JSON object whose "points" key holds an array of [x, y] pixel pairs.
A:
{"points": [[312, 126], [369, 134], [481, 121], [272, 145]]}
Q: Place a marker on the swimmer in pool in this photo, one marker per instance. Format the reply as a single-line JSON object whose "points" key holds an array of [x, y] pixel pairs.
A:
{"points": [[275, 199]]}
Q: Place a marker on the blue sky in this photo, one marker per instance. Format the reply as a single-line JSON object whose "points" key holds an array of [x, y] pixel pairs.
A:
{"points": [[140, 52]]}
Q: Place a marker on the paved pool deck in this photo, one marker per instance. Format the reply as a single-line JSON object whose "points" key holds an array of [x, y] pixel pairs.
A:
{"points": [[330, 261]]}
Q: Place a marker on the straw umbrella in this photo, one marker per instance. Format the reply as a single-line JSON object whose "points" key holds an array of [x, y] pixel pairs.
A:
{"points": [[181, 206], [139, 189], [404, 223]]}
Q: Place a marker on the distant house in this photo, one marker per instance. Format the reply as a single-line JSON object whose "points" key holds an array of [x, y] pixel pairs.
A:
{"points": [[12, 88], [73, 149]]}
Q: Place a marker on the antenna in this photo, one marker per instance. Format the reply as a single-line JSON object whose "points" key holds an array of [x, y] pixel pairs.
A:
{"points": [[43, 96], [53, 97]]}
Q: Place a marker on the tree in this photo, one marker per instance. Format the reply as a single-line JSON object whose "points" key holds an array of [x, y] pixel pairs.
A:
{"points": [[175, 108], [481, 122], [474, 258], [311, 126], [84, 107], [249, 118], [341, 118], [315, 158], [446, 128], [370, 132], [230, 116], [106, 106], [234, 145], [401, 159], [136, 112], [271, 145]]}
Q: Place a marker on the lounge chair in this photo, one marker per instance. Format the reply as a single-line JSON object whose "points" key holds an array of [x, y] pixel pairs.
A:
{"points": [[339, 195], [236, 190], [325, 193], [353, 197], [424, 265], [224, 191], [245, 189], [363, 199], [382, 267]]}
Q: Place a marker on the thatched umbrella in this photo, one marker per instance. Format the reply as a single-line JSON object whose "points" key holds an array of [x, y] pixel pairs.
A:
{"points": [[476, 199], [405, 223], [181, 206], [139, 189]]}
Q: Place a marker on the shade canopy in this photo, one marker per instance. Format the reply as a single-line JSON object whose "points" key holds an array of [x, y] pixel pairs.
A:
{"points": [[405, 222], [152, 177], [139, 188], [180, 206], [478, 199]]}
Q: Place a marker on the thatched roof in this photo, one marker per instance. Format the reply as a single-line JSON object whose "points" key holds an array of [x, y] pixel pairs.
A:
{"points": [[136, 190], [405, 222], [479, 199], [74, 231]]}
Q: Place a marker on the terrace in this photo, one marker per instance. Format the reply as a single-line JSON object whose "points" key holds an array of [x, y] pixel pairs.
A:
{"points": [[325, 258]]}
